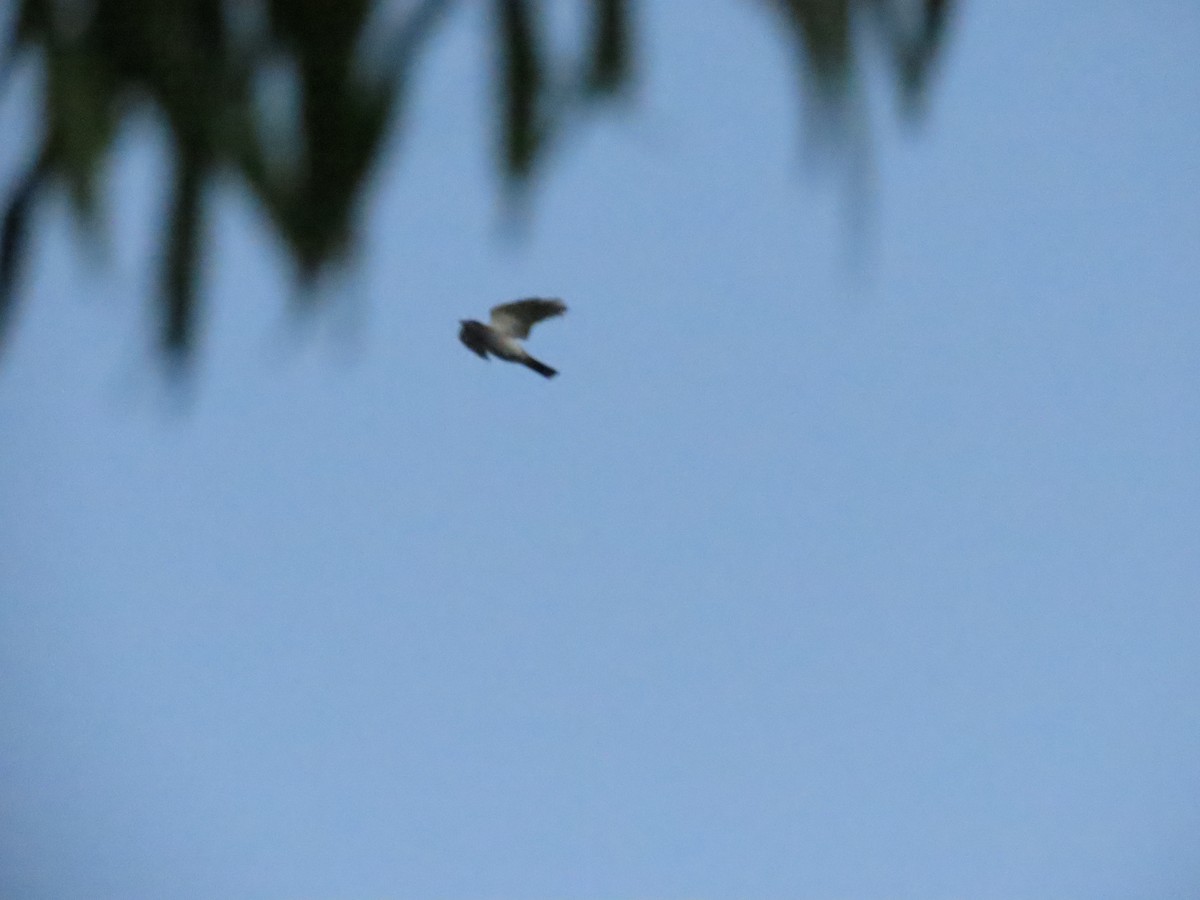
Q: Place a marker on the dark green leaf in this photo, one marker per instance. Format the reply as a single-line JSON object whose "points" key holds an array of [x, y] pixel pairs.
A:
{"points": [[522, 86], [14, 231], [610, 56], [182, 253]]}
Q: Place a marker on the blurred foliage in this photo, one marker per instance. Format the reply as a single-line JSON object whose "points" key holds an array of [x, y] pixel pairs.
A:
{"points": [[207, 68]]}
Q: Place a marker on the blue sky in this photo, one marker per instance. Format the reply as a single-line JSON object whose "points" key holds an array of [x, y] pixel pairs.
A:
{"points": [[830, 566]]}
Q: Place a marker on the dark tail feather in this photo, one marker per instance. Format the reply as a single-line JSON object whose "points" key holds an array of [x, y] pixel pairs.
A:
{"points": [[540, 367]]}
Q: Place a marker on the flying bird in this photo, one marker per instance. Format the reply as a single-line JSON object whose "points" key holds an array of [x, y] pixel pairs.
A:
{"points": [[510, 324]]}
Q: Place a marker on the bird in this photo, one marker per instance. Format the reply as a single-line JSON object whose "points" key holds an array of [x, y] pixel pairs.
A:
{"points": [[510, 324]]}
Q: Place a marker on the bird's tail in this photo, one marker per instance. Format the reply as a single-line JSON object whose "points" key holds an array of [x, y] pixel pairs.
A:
{"points": [[540, 367]]}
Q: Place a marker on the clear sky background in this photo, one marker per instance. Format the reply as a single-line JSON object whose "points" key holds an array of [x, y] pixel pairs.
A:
{"points": [[836, 563]]}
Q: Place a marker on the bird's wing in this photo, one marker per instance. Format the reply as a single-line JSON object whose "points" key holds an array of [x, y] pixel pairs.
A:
{"points": [[516, 318]]}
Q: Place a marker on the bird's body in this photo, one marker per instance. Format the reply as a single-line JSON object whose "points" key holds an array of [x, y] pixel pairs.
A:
{"points": [[509, 324]]}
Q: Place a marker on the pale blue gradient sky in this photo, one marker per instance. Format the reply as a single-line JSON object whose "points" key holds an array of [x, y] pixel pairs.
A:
{"points": [[807, 578]]}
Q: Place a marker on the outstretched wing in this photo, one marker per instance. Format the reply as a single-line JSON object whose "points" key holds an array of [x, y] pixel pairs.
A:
{"points": [[516, 318]]}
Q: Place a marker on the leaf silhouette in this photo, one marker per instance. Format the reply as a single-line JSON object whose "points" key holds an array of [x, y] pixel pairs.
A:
{"points": [[200, 67]]}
